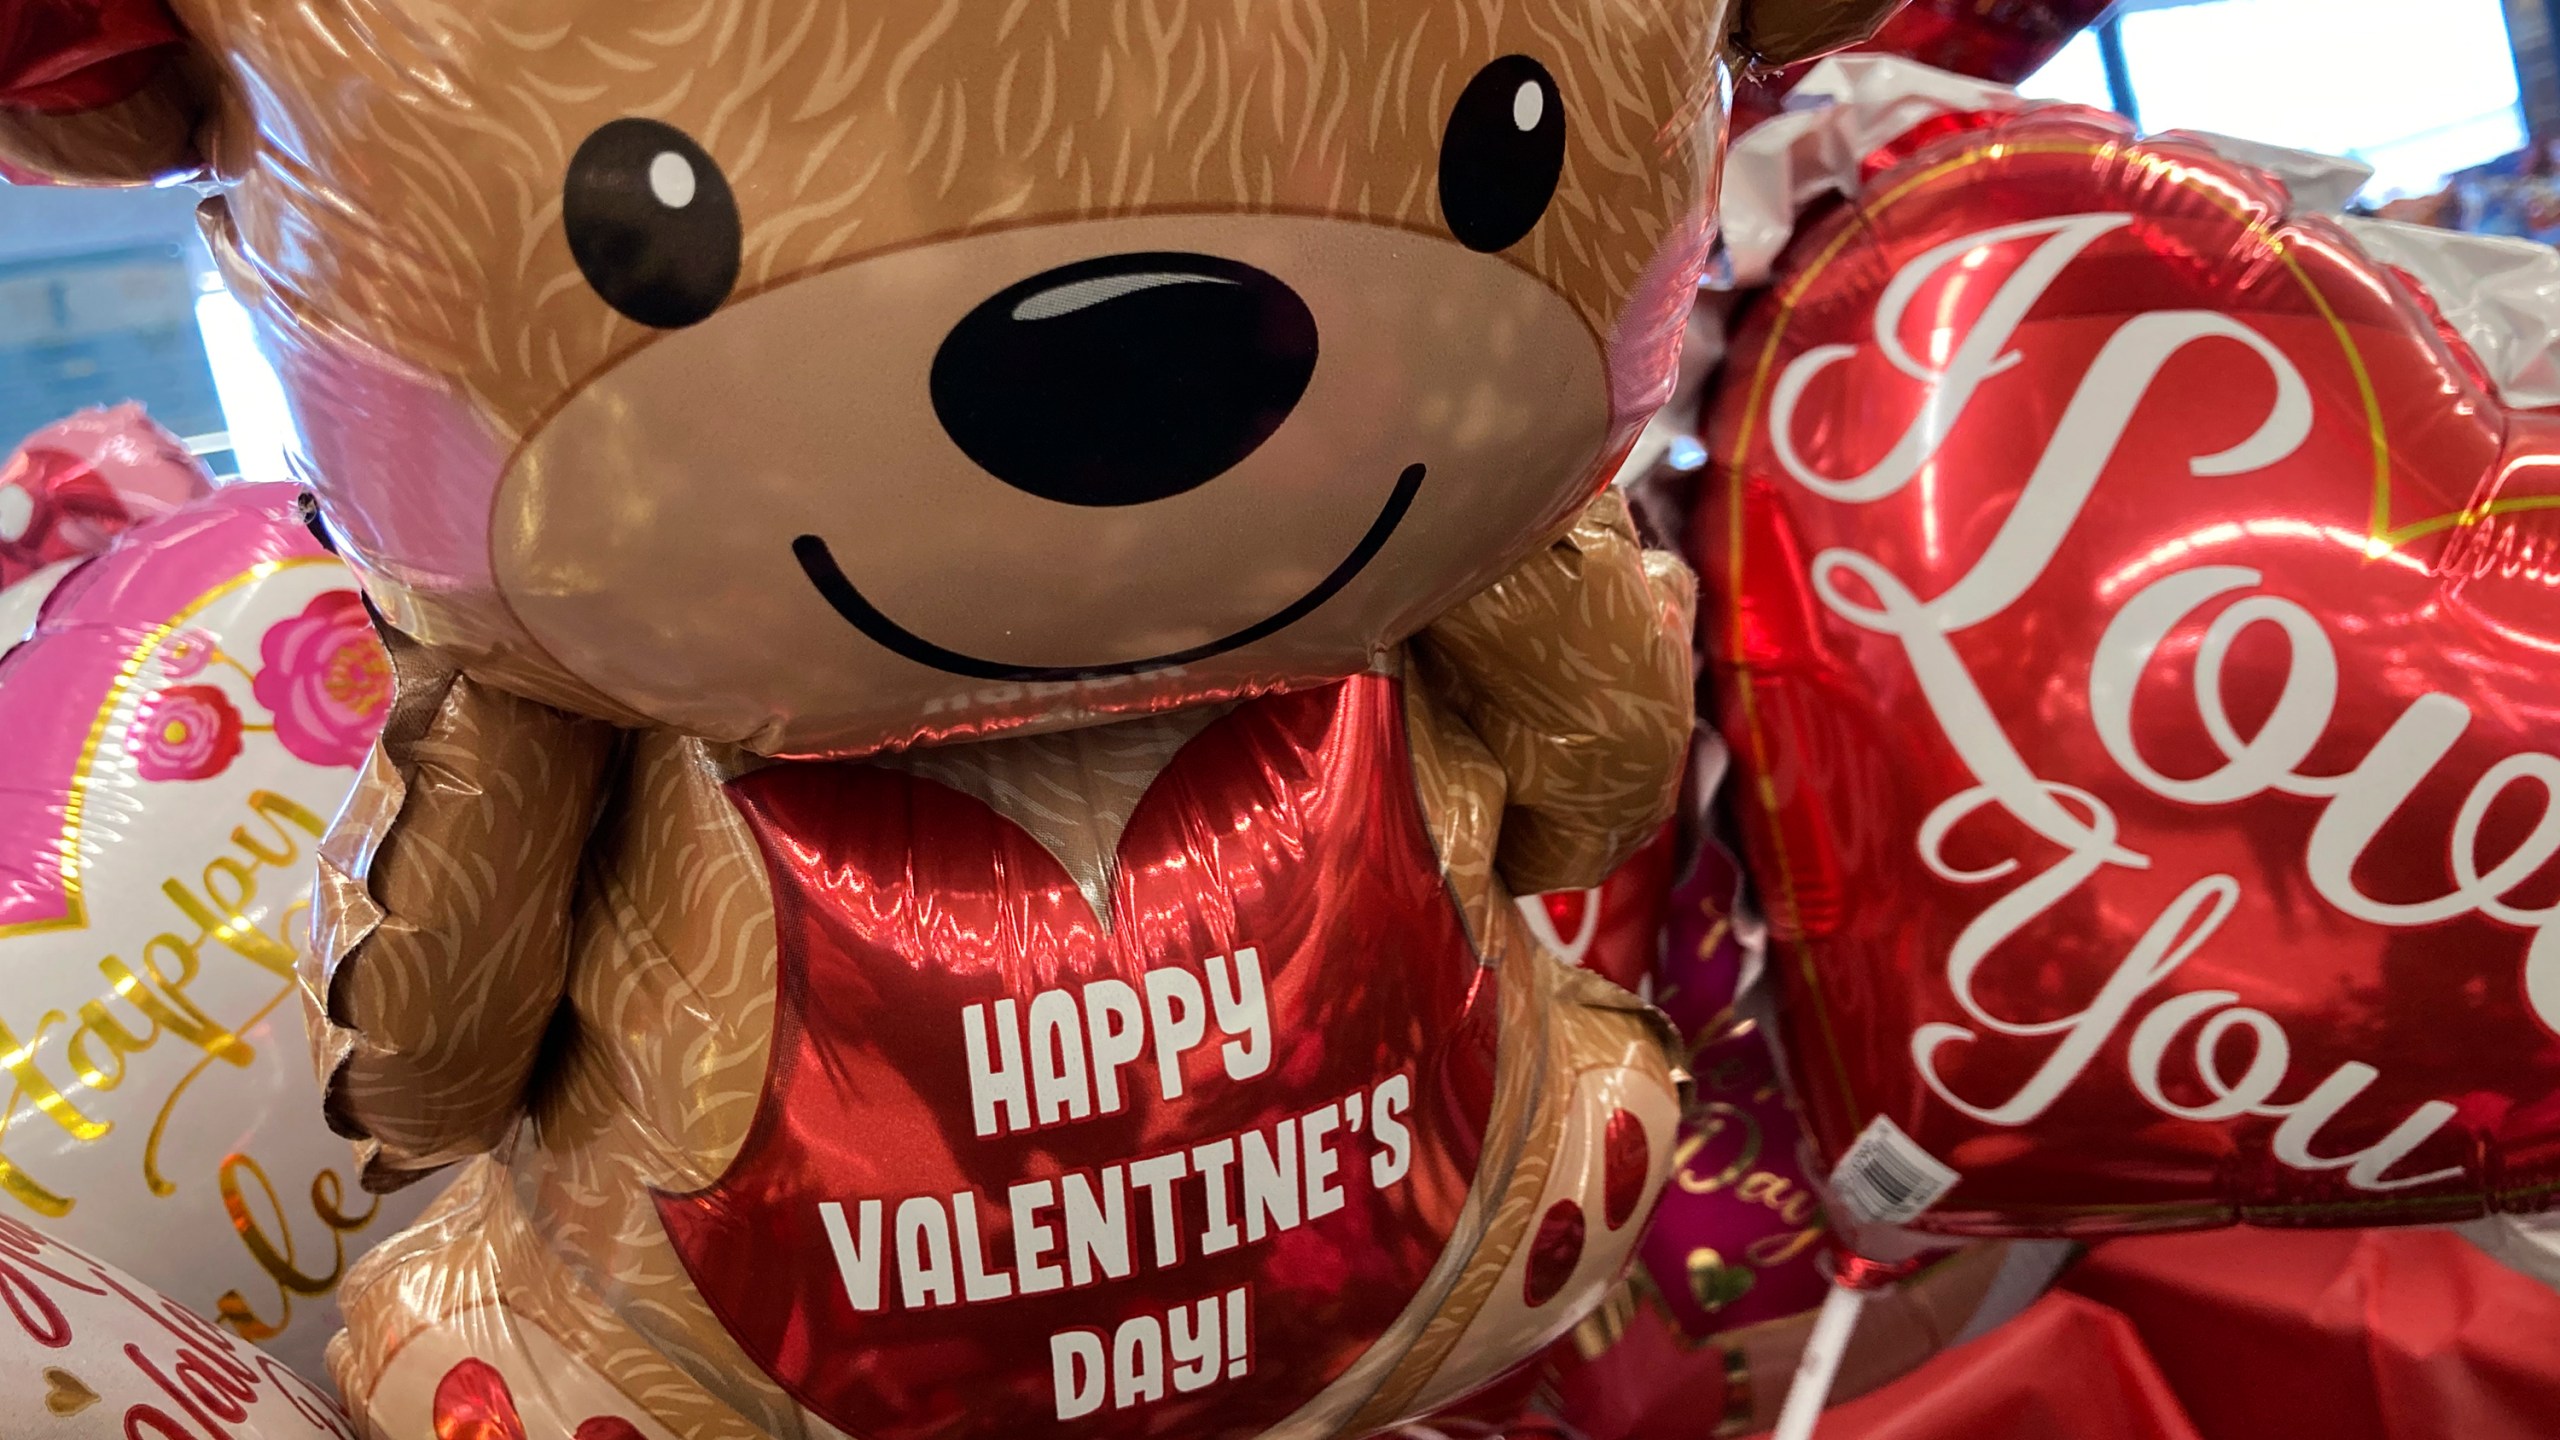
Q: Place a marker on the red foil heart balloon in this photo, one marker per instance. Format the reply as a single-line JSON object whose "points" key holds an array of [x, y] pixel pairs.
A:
{"points": [[2136, 620], [67, 55]]}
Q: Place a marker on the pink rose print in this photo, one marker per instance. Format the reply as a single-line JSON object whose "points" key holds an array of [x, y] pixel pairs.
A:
{"points": [[186, 655], [327, 681], [187, 732]]}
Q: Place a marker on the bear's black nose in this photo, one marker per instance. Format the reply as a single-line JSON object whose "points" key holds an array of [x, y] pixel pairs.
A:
{"points": [[1125, 379]]}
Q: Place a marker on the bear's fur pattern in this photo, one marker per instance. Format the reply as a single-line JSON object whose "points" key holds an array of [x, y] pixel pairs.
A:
{"points": [[1113, 107], [412, 216], [668, 973]]}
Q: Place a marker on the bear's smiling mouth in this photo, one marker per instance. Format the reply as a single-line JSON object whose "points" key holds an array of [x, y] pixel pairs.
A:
{"points": [[819, 563]]}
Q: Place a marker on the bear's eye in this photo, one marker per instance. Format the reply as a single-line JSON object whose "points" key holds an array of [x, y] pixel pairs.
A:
{"points": [[652, 223], [1502, 155]]}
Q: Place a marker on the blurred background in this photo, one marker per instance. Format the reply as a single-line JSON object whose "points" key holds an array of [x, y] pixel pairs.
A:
{"points": [[2421, 110], [108, 296]]}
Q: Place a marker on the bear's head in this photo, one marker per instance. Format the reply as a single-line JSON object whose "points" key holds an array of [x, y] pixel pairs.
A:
{"points": [[820, 375]]}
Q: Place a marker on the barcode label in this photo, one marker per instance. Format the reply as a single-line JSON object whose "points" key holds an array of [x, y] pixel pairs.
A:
{"points": [[1886, 1178]]}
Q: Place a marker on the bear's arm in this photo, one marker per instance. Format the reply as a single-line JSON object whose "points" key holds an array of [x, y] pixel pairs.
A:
{"points": [[442, 920], [1575, 670]]}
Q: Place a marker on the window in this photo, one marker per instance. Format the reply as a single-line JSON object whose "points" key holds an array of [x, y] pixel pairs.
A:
{"points": [[2078, 74], [2346, 77], [107, 296]]}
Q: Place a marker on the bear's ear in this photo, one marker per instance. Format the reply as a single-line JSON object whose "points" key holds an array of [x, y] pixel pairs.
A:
{"points": [[97, 92], [1782, 32]]}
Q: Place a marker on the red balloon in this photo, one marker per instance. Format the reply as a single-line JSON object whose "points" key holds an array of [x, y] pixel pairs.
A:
{"points": [[78, 483], [2137, 624], [69, 55], [854, 1066]]}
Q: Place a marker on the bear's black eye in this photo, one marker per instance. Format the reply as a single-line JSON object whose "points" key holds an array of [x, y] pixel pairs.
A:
{"points": [[1502, 154], [652, 223]]}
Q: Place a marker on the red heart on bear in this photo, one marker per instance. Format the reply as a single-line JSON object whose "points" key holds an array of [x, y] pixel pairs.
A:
{"points": [[2138, 622], [959, 1032], [473, 1403]]}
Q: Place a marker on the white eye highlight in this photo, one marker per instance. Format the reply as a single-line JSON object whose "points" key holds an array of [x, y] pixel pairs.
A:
{"points": [[671, 179], [1528, 106]]}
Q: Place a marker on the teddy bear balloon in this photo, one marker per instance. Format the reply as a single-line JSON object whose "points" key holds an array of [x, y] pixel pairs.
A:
{"points": [[991, 603]]}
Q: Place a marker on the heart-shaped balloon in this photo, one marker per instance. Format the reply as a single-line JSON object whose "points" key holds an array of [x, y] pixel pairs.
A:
{"points": [[2137, 621], [190, 711], [88, 1351]]}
